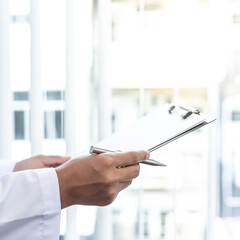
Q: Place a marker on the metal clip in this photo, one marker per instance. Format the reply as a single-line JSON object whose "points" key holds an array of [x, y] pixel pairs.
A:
{"points": [[186, 115]]}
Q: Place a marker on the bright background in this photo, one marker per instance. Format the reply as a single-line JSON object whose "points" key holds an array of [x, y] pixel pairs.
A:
{"points": [[72, 72]]}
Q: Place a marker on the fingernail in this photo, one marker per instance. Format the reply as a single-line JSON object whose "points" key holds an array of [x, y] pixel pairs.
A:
{"points": [[148, 155]]}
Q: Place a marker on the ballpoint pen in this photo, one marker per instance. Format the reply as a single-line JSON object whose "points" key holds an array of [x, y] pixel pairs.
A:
{"points": [[95, 150]]}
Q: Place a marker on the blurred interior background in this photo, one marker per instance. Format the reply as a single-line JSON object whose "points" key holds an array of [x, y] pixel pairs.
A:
{"points": [[72, 72]]}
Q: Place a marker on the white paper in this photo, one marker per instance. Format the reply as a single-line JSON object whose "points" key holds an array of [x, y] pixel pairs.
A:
{"points": [[151, 130]]}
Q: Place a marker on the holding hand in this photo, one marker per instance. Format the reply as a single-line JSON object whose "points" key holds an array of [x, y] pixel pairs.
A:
{"points": [[97, 179], [40, 161]]}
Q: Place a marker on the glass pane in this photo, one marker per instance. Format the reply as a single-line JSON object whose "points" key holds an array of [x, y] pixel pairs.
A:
{"points": [[54, 95], [54, 124], [21, 96], [19, 125], [53, 104], [21, 146]]}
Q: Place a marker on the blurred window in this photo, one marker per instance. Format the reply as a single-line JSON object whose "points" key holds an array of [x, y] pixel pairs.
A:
{"points": [[54, 95], [19, 119], [21, 96], [54, 124]]}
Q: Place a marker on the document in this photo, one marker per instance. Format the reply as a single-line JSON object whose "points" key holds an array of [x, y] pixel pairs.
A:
{"points": [[156, 129]]}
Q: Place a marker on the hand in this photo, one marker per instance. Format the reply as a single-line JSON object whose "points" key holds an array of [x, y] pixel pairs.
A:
{"points": [[97, 179], [40, 161]]}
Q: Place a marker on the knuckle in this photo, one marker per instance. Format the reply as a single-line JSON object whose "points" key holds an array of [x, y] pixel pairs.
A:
{"points": [[107, 201], [143, 155], [39, 156], [106, 160], [109, 196], [111, 193], [108, 179], [146, 155], [134, 157], [136, 171], [128, 183]]}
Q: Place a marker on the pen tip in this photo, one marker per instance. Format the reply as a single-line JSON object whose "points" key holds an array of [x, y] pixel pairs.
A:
{"points": [[91, 150]]}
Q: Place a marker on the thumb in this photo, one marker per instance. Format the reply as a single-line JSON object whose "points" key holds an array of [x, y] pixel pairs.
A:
{"points": [[54, 161]]}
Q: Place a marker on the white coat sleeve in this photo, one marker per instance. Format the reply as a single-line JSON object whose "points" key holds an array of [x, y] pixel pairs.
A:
{"points": [[30, 205], [6, 167]]}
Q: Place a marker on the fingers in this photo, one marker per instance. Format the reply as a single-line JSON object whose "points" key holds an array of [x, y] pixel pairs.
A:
{"points": [[123, 185], [128, 173], [122, 166], [129, 158], [54, 161], [111, 194]]}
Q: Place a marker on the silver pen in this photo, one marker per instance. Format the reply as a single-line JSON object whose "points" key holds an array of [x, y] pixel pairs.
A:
{"points": [[95, 150]]}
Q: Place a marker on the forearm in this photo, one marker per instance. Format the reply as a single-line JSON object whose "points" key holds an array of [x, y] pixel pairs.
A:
{"points": [[37, 195]]}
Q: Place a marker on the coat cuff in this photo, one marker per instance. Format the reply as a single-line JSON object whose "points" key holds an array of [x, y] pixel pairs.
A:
{"points": [[51, 202], [6, 167]]}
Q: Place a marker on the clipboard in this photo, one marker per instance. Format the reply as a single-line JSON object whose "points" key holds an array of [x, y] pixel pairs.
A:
{"points": [[151, 132]]}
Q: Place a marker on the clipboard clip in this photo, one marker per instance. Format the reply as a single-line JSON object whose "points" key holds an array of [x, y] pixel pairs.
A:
{"points": [[188, 113]]}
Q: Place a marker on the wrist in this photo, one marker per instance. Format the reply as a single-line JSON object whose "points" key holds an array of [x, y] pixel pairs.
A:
{"points": [[63, 188], [17, 167]]}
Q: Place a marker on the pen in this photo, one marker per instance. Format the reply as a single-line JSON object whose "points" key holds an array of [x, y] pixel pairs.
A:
{"points": [[95, 150]]}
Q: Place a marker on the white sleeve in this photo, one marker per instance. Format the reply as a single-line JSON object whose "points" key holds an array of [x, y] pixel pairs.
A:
{"points": [[6, 167], [30, 205]]}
